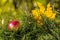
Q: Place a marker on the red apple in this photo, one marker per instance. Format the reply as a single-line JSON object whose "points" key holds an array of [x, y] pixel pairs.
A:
{"points": [[13, 25]]}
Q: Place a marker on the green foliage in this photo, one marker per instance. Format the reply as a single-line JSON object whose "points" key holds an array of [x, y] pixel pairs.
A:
{"points": [[43, 2], [29, 29]]}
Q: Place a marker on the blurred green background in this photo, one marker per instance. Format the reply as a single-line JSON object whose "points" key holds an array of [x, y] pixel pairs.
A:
{"points": [[30, 30]]}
